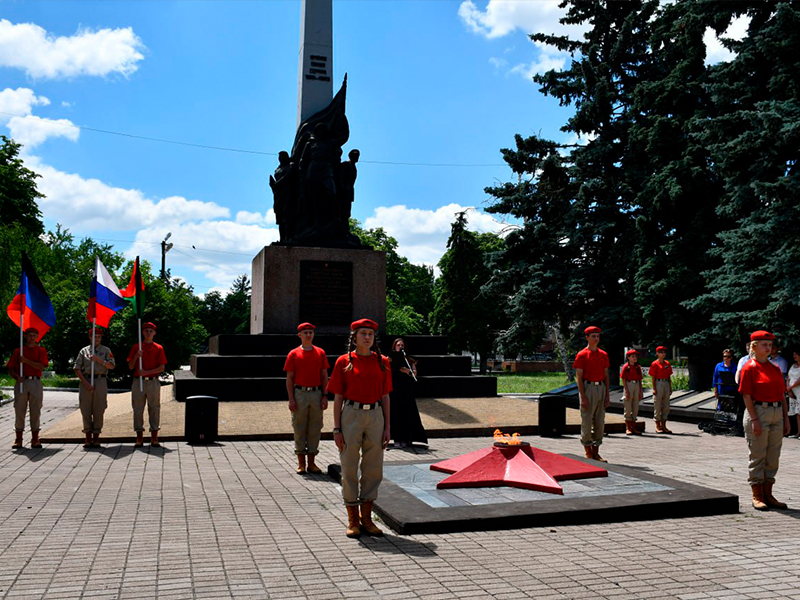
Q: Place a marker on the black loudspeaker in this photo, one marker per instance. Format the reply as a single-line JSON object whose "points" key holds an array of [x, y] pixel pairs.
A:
{"points": [[202, 417], [552, 415]]}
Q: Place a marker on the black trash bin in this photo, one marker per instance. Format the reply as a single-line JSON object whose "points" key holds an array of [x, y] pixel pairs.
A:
{"points": [[202, 416], [552, 415]]}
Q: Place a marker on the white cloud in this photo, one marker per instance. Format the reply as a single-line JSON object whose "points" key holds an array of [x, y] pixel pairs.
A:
{"points": [[244, 217], [498, 63], [84, 205], [29, 47], [422, 234], [19, 103], [549, 59], [715, 51], [502, 17], [31, 131], [220, 250]]}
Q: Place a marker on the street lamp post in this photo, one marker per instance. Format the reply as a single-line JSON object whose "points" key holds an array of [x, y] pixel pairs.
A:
{"points": [[165, 247]]}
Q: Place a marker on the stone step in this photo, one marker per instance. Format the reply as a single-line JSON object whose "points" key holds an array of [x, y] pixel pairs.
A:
{"points": [[280, 344], [266, 389], [213, 365]]}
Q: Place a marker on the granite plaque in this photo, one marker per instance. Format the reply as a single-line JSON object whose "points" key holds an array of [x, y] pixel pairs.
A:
{"points": [[326, 292]]}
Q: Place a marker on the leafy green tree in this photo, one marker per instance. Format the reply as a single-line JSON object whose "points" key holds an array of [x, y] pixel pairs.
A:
{"points": [[753, 138], [18, 193], [465, 311], [409, 287], [228, 314]]}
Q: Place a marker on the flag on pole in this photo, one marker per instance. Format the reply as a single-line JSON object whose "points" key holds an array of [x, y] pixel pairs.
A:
{"points": [[134, 293], [31, 305], [106, 298]]}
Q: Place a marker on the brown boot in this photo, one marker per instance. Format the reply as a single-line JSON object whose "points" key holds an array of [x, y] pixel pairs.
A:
{"points": [[301, 464], [366, 520], [35, 443], [660, 427], [139, 439], [589, 452], [95, 440], [596, 454], [17, 441], [628, 427], [770, 500], [758, 497], [353, 523], [635, 429], [664, 427], [312, 466], [87, 440], [154, 438]]}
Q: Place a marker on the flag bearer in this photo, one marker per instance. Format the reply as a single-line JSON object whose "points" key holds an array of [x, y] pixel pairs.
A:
{"points": [[591, 372], [28, 392], [361, 381], [306, 380], [153, 363], [92, 398]]}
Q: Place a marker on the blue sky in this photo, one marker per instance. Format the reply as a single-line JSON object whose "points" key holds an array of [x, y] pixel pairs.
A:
{"points": [[432, 82]]}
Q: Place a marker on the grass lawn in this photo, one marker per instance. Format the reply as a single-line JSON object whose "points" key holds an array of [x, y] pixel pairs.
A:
{"points": [[59, 381], [529, 383]]}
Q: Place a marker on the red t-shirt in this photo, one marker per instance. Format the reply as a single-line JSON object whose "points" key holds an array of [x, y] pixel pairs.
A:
{"points": [[592, 363], [763, 382], [365, 383], [660, 371], [36, 354], [152, 357], [631, 372], [306, 365]]}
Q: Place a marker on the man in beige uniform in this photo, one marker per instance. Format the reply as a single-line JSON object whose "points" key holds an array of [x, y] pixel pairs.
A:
{"points": [[92, 398]]}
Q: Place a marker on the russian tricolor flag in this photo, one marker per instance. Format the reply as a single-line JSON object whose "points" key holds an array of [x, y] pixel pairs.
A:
{"points": [[105, 298], [31, 307]]}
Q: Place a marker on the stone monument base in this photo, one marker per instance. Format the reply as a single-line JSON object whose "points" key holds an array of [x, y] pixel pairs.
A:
{"points": [[329, 287]]}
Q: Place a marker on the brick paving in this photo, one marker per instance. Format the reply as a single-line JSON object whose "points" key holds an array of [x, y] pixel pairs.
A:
{"points": [[234, 521]]}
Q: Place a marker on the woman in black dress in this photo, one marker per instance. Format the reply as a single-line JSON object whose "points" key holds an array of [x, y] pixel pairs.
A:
{"points": [[406, 425]]}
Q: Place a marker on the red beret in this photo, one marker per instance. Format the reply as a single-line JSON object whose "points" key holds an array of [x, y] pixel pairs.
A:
{"points": [[304, 326], [363, 323], [97, 330], [592, 329], [631, 352], [757, 336], [29, 329], [148, 325], [661, 349]]}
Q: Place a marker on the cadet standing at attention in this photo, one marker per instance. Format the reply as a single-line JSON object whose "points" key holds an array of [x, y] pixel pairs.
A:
{"points": [[660, 374], [92, 399], [591, 371], [306, 381]]}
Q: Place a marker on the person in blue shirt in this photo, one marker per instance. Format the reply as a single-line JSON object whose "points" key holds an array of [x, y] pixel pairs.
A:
{"points": [[725, 385]]}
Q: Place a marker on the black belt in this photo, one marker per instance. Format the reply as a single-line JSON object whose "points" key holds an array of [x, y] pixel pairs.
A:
{"points": [[594, 382], [307, 389], [362, 405], [32, 377], [96, 375], [149, 378], [778, 403]]}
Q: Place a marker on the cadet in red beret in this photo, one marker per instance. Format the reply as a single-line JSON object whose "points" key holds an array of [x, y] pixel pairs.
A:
{"points": [[661, 374], [631, 376], [766, 419], [147, 364], [591, 371], [361, 381], [28, 391], [306, 370]]}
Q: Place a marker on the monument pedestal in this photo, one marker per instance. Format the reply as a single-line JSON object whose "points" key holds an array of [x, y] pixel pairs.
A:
{"points": [[329, 287]]}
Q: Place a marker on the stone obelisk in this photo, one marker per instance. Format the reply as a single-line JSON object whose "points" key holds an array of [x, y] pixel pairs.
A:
{"points": [[314, 84]]}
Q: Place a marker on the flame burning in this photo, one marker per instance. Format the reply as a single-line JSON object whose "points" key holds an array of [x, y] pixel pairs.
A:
{"points": [[510, 440]]}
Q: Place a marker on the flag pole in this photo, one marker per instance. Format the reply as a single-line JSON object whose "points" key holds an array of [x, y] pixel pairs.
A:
{"points": [[91, 350], [141, 385], [21, 326]]}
